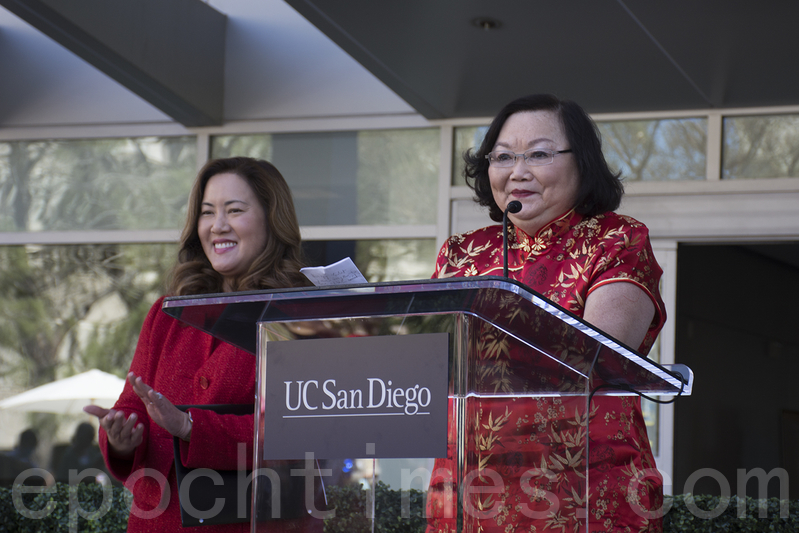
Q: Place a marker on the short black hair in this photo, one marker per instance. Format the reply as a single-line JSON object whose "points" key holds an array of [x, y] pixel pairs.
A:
{"points": [[28, 439], [600, 189]]}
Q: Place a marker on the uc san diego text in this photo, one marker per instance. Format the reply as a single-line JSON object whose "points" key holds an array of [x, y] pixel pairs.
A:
{"points": [[377, 394]]}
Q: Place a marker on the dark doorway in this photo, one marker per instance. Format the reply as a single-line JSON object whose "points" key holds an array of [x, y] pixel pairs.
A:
{"points": [[738, 329]]}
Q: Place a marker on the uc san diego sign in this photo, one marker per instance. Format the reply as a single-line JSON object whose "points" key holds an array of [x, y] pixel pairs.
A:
{"points": [[383, 397]]}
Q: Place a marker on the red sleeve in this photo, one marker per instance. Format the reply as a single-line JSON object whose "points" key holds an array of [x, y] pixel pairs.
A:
{"points": [[130, 403], [190, 368], [627, 256], [221, 442]]}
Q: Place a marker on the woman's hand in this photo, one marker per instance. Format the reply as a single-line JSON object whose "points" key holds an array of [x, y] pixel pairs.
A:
{"points": [[162, 411], [124, 435]]}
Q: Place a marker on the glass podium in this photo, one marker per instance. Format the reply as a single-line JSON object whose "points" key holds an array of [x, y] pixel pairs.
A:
{"points": [[454, 351]]}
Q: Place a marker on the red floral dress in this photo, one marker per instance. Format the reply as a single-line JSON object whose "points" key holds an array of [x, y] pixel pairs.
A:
{"points": [[529, 470]]}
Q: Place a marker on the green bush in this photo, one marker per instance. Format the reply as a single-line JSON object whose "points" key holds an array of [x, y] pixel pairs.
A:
{"points": [[687, 513], [86, 513], [697, 513], [350, 503]]}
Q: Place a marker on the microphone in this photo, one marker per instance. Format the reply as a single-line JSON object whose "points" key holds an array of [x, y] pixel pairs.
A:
{"points": [[513, 207]]}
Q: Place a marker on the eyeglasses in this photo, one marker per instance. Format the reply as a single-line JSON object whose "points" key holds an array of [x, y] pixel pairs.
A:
{"points": [[534, 158]]}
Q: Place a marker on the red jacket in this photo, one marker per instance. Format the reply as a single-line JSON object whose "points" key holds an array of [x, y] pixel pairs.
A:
{"points": [[188, 367]]}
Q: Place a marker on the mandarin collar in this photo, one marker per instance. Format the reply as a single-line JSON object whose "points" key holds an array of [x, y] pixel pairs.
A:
{"points": [[548, 234]]}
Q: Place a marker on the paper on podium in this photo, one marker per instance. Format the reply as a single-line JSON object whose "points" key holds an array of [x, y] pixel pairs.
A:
{"points": [[342, 272]]}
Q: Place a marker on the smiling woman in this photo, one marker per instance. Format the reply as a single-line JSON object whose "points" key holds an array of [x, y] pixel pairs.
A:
{"points": [[232, 226], [545, 185], [258, 194], [567, 244], [241, 234]]}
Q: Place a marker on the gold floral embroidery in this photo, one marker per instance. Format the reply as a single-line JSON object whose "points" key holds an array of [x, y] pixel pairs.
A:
{"points": [[614, 252], [538, 245], [568, 279]]}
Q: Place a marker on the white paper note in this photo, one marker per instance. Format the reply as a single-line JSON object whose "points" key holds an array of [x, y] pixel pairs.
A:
{"points": [[342, 272]]}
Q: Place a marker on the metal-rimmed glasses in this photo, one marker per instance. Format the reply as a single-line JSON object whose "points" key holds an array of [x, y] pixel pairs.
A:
{"points": [[535, 158]]}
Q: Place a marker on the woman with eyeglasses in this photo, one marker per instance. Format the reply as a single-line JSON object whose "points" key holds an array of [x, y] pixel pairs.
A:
{"points": [[565, 242]]}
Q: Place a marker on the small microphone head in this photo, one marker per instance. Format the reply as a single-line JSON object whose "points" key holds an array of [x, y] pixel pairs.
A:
{"points": [[514, 206]]}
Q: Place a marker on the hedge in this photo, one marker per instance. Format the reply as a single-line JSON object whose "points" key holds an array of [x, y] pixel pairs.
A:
{"points": [[87, 500], [694, 513], [706, 514]]}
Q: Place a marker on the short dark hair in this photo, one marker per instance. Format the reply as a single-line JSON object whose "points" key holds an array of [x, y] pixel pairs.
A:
{"points": [[600, 189], [84, 435], [28, 439], [277, 266]]}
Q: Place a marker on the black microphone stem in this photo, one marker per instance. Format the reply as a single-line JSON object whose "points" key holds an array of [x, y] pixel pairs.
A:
{"points": [[513, 207], [505, 244]]}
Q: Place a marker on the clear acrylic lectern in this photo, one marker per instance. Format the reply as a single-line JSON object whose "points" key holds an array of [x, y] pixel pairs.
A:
{"points": [[502, 342]]}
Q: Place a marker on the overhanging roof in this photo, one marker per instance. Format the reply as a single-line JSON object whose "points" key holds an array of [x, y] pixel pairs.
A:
{"points": [[608, 55], [169, 52], [208, 62]]}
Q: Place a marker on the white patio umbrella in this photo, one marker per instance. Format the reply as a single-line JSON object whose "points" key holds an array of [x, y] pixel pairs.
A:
{"points": [[68, 396]]}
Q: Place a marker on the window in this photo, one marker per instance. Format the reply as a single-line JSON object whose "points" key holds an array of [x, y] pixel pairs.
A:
{"points": [[379, 260], [371, 177], [656, 150], [465, 138], [99, 184], [761, 147]]}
